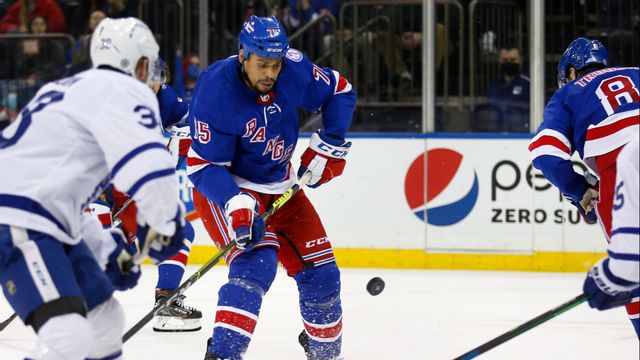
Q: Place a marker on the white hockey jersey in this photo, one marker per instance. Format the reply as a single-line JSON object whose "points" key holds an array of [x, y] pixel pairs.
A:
{"points": [[75, 137]]}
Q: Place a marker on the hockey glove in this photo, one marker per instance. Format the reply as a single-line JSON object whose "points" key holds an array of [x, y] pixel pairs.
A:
{"points": [[324, 158], [606, 290], [246, 226], [589, 217], [161, 247], [589, 200], [121, 269]]}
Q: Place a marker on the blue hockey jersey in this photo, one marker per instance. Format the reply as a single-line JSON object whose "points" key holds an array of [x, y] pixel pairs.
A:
{"points": [[245, 140], [593, 115]]}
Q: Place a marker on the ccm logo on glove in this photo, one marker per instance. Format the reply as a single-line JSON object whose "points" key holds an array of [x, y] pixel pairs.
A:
{"points": [[324, 158]]}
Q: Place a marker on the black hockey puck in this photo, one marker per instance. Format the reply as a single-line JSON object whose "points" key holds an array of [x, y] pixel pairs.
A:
{"points": [[375, 286]]}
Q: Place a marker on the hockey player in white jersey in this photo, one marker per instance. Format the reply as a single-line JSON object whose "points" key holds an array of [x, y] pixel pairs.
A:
{"points": [[75, 137], [615, 278]]}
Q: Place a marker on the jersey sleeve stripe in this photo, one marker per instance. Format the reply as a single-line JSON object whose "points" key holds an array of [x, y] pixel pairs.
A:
{"points": [[151, 176], [615, 279], [342, 84], [31, 206], [626, 257], [553, 133], [133, 153], [626, 230], [548, 140], [551, 151], [598, 132], [196, 163]]}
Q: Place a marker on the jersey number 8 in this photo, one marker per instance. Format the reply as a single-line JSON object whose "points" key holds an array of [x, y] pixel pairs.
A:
{"points": [[616, 91]]}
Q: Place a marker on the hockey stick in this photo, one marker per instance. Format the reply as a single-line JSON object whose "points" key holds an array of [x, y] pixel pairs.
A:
{"points": [[524, 327], [277, 204], [117, 222], [5, 323]]}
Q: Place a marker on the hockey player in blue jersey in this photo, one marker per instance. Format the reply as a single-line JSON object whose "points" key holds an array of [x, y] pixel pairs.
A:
{"points": [[596, 112], [244, 125], [73, 138]]}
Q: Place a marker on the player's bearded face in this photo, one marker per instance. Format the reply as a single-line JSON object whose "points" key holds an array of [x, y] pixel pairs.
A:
{"points": [[262, 73]]}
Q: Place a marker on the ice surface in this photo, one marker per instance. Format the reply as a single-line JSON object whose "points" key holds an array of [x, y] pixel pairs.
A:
{"points": [[421, 314]]}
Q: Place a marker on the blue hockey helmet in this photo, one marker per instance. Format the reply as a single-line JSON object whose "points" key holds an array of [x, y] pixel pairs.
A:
{"points": [[580, 53], [263, 36]]}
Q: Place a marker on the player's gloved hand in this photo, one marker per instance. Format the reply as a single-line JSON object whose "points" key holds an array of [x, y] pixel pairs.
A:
{"points": [[589, 217], [589, 199], [161, 247], [605, 290], [324, 158], [121, 269], [247, 226]]}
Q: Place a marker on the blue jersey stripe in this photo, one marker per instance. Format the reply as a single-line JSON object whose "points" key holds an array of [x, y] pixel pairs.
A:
{"points": [[133, 153], [626, 230], [151, 176], [626, 257], [113, 356], [29, 205], [614, 279]]}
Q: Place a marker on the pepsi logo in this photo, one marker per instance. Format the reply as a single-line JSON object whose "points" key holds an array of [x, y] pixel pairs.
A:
{"points": [[451, 191]]}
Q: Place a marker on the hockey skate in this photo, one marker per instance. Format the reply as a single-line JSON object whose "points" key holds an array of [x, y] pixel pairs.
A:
{"points": [[303, 340], [209, 355], [176, 316]]}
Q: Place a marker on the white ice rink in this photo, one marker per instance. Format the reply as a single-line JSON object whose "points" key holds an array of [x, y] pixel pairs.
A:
{"points": [[420, 315]]}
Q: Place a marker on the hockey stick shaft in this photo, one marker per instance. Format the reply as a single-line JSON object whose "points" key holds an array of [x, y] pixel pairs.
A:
{"points": [[6, 323], [277, 204], [117, 223], [524, 327]]}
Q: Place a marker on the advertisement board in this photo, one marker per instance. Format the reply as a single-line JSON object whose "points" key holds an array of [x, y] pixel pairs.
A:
{"points": [[478, 196]]}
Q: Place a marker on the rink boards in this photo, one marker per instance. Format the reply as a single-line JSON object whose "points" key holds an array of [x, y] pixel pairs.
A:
{"points": [[478, 205]]}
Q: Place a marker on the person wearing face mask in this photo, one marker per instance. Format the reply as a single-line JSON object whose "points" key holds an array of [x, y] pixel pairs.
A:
{"points": [[509, 93]]}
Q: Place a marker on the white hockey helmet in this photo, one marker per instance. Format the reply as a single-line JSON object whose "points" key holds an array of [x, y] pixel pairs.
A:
{"points": [[120, 43]]}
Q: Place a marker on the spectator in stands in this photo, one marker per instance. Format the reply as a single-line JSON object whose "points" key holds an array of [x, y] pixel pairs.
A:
{"points": [[507, 105], [190, 71], [42, 60], [22, 13], [82, 60]]}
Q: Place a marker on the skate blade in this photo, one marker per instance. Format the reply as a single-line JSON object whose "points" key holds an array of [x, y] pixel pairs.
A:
{"points": [[173, 324]]}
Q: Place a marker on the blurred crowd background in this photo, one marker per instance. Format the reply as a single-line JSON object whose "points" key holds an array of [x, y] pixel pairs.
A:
{"points": [[480, 48]]}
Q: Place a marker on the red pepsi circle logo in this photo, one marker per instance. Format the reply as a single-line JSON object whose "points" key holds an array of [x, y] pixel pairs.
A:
{"points": [[451, 187]]}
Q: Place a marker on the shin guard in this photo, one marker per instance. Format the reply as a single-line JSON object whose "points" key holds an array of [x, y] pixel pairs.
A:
{"points": [[321, 310], [170, 271], [239, 302]]}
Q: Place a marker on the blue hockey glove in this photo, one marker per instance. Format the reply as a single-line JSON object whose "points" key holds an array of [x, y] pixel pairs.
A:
{"points": [[121, 269], [247, 225], [161, 247], [324, 159], [606, 290]]}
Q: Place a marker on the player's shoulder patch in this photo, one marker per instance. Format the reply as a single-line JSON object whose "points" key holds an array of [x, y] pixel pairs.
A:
{"points": [[294, 55]]}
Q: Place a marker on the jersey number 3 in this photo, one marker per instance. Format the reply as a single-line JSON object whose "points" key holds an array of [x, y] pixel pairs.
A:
{"points": [[616, 91]]}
